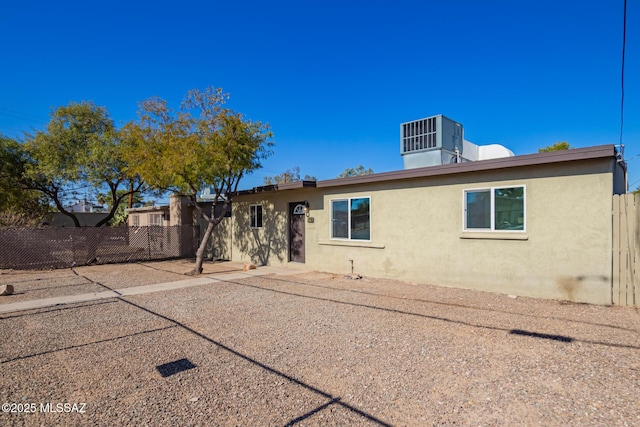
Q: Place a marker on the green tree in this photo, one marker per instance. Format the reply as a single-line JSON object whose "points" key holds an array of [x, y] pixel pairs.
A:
{"points": [[290, 175], [200, 145], [357, 171], [120, 217], [80, 146], [558, 146], [18, 205]]}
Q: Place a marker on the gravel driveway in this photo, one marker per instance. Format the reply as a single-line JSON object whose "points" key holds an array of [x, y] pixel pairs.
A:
{"points": [[310, 349]]}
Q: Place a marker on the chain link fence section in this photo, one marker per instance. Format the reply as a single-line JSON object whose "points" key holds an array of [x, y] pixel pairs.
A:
{"points": [[63, 247]]}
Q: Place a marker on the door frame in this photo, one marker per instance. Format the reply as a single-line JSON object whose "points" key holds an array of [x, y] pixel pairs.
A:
{"points": [[300, 217]]}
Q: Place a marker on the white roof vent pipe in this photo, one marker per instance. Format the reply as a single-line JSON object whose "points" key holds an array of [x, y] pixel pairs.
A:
{"points": [[493, 151], [470, 150]]}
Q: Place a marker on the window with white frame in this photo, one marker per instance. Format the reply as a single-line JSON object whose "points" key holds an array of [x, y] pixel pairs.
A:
{"points": [[156, 219], [135, 220], [350, 218], [495, 209], [255, 215]]}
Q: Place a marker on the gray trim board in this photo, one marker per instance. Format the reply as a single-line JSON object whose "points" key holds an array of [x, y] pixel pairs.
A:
{"points": [[574, 154]]}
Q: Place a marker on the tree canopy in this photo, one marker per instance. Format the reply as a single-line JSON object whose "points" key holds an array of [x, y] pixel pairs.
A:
{"points": [[200, 145], [290, 175], [135, 200], [558, 146], [80, 146], [357, 171], [18, 206]]}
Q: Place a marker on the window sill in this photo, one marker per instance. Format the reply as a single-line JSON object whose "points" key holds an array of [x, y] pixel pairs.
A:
{"points": [[352, 243], [492, 235]]}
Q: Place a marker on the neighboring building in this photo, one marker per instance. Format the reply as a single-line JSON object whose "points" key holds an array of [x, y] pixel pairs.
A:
{"points": [[149, 215], [88, 214], [86, 207], [181, 212], [537, 225]]}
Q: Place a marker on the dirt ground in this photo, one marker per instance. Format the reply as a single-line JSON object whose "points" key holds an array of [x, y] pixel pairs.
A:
{"points": [[307, 349]]}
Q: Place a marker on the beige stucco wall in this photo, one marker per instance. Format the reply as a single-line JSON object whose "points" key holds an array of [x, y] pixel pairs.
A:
{"points": [[268, 245], [417, 232], [180, 211], [219, 246]]}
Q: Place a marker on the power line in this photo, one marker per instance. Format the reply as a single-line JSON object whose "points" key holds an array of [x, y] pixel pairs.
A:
{"points": [[12, 130], [19, 115], [631, 158]]}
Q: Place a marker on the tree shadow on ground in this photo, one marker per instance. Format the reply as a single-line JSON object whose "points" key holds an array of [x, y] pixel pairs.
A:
{"points": [[332, 399], [184, 364]]}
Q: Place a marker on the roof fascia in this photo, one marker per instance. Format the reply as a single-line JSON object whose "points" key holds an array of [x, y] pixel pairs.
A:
{"points": [[574, 154], [295, 185]]}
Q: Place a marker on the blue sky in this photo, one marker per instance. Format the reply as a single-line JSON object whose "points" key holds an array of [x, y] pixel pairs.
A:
{"points": [[335, 79]]}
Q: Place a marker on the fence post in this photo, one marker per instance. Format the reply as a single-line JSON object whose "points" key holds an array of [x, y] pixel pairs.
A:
{"points": [[615, 269], [635, 266]]}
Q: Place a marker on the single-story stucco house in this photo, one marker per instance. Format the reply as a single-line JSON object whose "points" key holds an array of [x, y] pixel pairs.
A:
{"points": [[536, 225]]}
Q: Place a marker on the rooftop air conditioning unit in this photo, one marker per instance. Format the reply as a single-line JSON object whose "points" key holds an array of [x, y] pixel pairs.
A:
{"points": [[438, 140]]}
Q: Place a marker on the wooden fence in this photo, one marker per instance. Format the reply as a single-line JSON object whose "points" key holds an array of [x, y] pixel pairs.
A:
{"points": [[626, 250]]}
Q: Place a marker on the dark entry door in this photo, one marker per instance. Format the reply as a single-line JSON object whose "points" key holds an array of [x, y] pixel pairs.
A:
{"points": [[296, 231]]}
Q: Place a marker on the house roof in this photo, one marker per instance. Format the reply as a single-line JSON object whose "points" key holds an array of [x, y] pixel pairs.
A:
{"points": [[277, 187], [148, 209], [574, 154]]}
